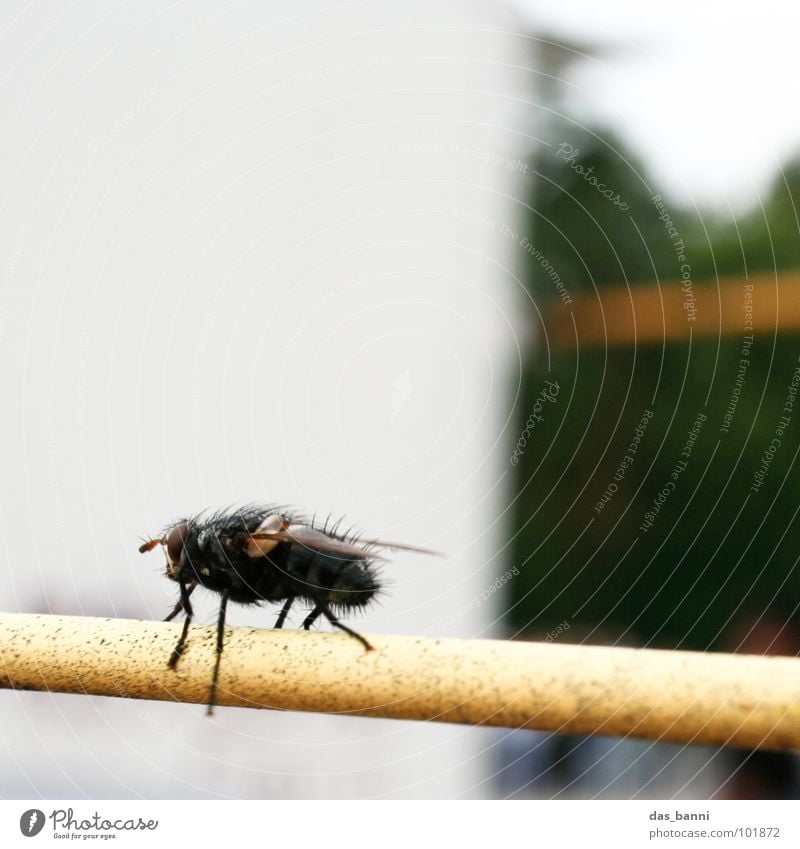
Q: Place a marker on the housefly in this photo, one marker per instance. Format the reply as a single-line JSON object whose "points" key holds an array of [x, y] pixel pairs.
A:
{"points": [[257, 554]]}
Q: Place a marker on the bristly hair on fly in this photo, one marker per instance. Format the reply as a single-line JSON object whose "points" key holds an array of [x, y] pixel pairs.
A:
{"points": [[267, 553]]}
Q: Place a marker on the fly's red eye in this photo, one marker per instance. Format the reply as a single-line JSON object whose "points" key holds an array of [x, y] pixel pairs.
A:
{"points": [[175, 539]]}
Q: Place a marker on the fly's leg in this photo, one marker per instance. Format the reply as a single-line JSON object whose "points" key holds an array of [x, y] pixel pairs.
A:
{"points": [[331, 617], [284, 611], [212, 693], [183, 604], [180, 605], [312, 617]]}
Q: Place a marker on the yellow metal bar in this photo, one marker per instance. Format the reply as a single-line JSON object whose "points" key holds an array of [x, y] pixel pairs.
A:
{"points": [[690, 697]]}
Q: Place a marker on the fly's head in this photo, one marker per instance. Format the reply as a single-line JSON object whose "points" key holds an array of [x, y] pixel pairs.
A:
{"points": [[174, 545], [175, 549]]}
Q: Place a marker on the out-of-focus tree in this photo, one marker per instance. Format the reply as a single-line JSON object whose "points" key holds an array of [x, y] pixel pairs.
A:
{"points": [[635, 516]]}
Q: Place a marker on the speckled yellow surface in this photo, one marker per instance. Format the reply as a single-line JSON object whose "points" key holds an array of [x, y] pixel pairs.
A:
{"points": [[683, 696]]}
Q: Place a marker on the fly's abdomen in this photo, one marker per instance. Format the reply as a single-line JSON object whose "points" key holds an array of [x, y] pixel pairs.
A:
{"points": [[355, 585], [321, 576]]}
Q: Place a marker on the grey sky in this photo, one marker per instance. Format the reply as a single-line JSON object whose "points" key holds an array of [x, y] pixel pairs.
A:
{"points": [[705, 92]]}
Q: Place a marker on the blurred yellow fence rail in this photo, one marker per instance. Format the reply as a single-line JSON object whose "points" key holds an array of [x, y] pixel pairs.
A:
{"points": [[672, 310]]}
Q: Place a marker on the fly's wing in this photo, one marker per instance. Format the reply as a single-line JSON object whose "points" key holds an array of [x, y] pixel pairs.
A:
{"points": [[318, 541], [400, 546], [312, 539]]}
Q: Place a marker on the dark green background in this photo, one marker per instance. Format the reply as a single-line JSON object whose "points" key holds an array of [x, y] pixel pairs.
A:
{"points": [[718, 555]]}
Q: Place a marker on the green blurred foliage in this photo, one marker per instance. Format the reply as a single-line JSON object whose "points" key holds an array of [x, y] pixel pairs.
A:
{"points": [[717, 553]]}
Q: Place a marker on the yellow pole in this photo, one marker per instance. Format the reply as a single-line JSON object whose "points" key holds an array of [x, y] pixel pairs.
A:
{"points": [[692, 697]]}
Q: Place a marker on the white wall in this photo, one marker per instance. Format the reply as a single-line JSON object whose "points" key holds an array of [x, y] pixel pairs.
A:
{"points": [[249, 252]]}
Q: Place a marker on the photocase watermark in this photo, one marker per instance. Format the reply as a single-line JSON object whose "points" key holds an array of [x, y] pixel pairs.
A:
{"points": [[217, 15], [491, 157], [476, 602], [744, 359], [547, 267], [780, 429], [100, 141], [67, 826], [31, 822], [548, 395], [84, 359], [570, 155], [524, 242], [18, 245], [155, 726], [402, 390], [197, 380], [333, 294], [510, 163], [672, 483], [625, 463], [56, 507], [680, 253], [327, 478], [319, 73], [556, 632], [168, 206]]}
